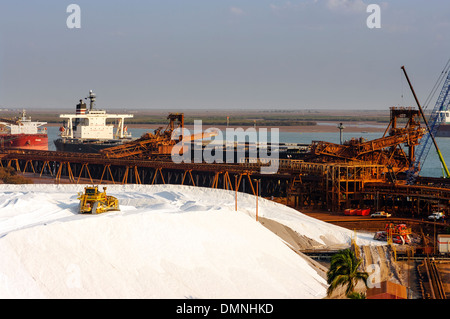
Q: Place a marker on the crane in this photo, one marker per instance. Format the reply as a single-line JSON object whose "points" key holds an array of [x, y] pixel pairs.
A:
{"points": [[432, 126]]}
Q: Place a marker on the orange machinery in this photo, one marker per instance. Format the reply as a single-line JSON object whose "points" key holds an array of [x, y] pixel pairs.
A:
{"points": [[159, 144]]}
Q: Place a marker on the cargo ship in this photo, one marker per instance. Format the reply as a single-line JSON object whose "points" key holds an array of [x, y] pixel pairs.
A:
{"points": [[22, 133], [444, 127], [91, 130]]}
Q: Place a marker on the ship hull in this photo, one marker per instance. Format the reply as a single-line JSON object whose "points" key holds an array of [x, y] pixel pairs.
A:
{"points": [[443, 131], [24, 141], [85, 146]]}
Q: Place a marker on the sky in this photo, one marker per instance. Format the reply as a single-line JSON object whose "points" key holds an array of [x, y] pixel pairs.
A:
{"points": [[222, 54]]}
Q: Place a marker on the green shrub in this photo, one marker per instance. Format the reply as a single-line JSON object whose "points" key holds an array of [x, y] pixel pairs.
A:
{"points": [[8, 175]]}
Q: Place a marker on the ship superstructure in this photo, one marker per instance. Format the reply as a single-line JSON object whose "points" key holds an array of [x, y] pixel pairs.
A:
{"points": [[90, 130]]}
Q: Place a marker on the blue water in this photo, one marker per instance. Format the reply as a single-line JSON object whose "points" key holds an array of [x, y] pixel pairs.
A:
{"points": [[431, 167]]}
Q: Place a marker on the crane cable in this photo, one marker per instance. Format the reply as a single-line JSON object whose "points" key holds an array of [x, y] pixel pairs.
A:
{"points": [[438, 84]]}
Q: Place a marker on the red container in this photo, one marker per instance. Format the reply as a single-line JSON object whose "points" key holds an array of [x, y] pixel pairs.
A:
{"points": [[349, 212], [365, 212]]}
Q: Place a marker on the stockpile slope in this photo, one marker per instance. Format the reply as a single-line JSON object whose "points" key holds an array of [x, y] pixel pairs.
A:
{"points": [[168, 241]]}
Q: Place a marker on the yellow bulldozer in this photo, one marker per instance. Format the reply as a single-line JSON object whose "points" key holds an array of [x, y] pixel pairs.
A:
{"points": [[95, 202]]}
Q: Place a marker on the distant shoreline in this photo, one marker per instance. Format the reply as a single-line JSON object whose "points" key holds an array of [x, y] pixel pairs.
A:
{"points": [[321, 127]]}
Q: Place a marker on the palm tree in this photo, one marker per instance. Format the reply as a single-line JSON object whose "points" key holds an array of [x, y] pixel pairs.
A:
{"points": [[357, 295], [344, 271]]}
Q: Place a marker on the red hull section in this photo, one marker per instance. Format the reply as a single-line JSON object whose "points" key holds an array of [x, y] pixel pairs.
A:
{"points": [[24, 141]]}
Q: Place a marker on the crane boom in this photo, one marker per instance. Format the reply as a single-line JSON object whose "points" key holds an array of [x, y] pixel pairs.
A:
{"points": [[432, 126]]}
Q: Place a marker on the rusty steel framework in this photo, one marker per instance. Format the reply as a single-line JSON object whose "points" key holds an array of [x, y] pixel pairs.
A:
{"points": [[386, 151], [333, 186], [413, 200], [326, 185], [157, 145], [150, 145], [76, 168], [334, 177]]}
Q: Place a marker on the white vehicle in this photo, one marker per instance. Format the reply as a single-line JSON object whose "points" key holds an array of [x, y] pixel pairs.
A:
{"points": [[436, 216], [380, 214]]}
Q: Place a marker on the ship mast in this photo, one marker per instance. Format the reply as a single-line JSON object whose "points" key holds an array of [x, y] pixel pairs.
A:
{"points": [[91, 97]]}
